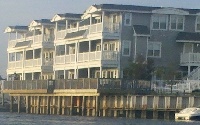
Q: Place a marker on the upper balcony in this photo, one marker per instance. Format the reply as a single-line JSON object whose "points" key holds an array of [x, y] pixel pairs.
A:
{"points": [[190, 59], [108, 30]]}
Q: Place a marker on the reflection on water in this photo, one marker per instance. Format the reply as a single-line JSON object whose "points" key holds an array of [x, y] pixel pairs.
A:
{"points": [[31, 119]]}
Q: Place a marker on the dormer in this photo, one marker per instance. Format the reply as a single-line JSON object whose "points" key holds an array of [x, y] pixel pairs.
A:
{"points": [[38, 24], [18, 29], [66, 16]]}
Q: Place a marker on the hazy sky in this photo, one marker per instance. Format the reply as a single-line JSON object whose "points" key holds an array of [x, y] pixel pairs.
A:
{"points": [[22, 12]]}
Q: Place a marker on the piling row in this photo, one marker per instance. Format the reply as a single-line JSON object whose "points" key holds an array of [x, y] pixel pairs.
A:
{"points": [[132, 106]]}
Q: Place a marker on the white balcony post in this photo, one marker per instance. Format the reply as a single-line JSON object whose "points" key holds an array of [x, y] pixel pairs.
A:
{"points": [[90, 19], [66, 27], [77, 26], [89, 50], [101, 57], [42, 58], [103, 14], [42, 33], [100, 71], [34, 35], [56, 30], [88, 72], [16, 35]]}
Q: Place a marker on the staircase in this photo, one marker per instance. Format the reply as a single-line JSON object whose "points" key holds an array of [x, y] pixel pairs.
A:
{"points": [[195, 74]]}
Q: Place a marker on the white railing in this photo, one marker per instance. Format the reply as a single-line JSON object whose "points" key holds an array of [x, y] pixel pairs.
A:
{"points": [[111, 27], [11, 65], [60, 34], [70, 58], [12, 43], [18, 64], [32, 62], [71, 30], [110, 55], [96, 55], [190, 58], [37, 38], [60, 59], [94, 28]]}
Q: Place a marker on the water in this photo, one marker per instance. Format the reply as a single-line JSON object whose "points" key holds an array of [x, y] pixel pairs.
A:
{"points": [[31, 119]]}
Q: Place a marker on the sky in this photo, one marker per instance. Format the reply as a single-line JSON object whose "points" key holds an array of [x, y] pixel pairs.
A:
{"points": [[22, 12]]}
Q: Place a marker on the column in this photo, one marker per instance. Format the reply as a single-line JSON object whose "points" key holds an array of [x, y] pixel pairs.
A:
{"points": [[38, 105], [59, 106], [56, 30], [11, 103], [83, 106], [19, 104], [88, 72], [27, 104]]}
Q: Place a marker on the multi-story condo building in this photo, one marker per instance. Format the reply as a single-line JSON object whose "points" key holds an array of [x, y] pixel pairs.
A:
{"points": [[100, 42]]}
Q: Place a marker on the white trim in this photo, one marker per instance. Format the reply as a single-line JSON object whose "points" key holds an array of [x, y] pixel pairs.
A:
{"points": [[177, 16], [129, 42], [130, 18], [187, 41]]}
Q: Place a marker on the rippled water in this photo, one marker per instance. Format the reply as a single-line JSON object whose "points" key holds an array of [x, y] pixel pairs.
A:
{"points": [[31, 119]]}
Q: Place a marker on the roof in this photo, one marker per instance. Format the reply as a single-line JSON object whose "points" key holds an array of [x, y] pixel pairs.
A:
{"points": [[188, 36], [70, 15], [84, 22], [75, 34], [139, 8], [21, 44], [141, 30], [16, 29], [43, 21]]}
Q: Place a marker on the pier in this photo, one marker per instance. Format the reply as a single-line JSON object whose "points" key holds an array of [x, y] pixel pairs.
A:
{"points": [[92, 97]]}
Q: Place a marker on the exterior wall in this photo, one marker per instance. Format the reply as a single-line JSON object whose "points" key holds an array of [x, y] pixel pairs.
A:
{"points": [[190, 23]]}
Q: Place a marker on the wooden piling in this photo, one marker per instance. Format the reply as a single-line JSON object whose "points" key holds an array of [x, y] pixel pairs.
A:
{"points": [[19, 104], [11, 103]]}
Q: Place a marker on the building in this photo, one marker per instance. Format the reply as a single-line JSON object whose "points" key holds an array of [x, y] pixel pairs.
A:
{"points": [[100, 42]]}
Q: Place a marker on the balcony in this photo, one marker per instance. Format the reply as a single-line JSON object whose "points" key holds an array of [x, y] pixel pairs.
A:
{"points": [[107, 56], [110, 29], [192, 59]]}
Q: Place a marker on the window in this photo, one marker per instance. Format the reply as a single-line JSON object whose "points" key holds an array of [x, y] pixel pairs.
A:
{"points": [[197, 27], [154, 49], [159, 22], [105, 46], [128, 17], [126, 48], [176, 22], [112, 47], [98, 47], [114, 18]]}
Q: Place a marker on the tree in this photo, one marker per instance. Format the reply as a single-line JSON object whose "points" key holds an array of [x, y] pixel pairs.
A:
{"points": [[139, 70]]}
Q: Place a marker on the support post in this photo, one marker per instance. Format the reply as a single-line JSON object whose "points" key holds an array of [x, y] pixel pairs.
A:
{"points": [[27, 105], [83, 106], [19, 104], [59, 106], [48, 104], [11, 103], [38, 105], [97, 106]]}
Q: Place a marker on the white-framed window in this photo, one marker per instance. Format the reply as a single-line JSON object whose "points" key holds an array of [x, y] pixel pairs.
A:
{"points": [[177, 22], [126, 48], [128, 19], [105, 46], [98, 47], [112, 47], [159, 22], [154, 49], [114, 18], [197, 25]]}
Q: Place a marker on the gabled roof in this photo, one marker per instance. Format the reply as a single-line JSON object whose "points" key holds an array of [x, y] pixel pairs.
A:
{"points": [[66, 16], [11, 29], [41, 22], [76, 34], [22, 44], [188, 36], [141, 30]]}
